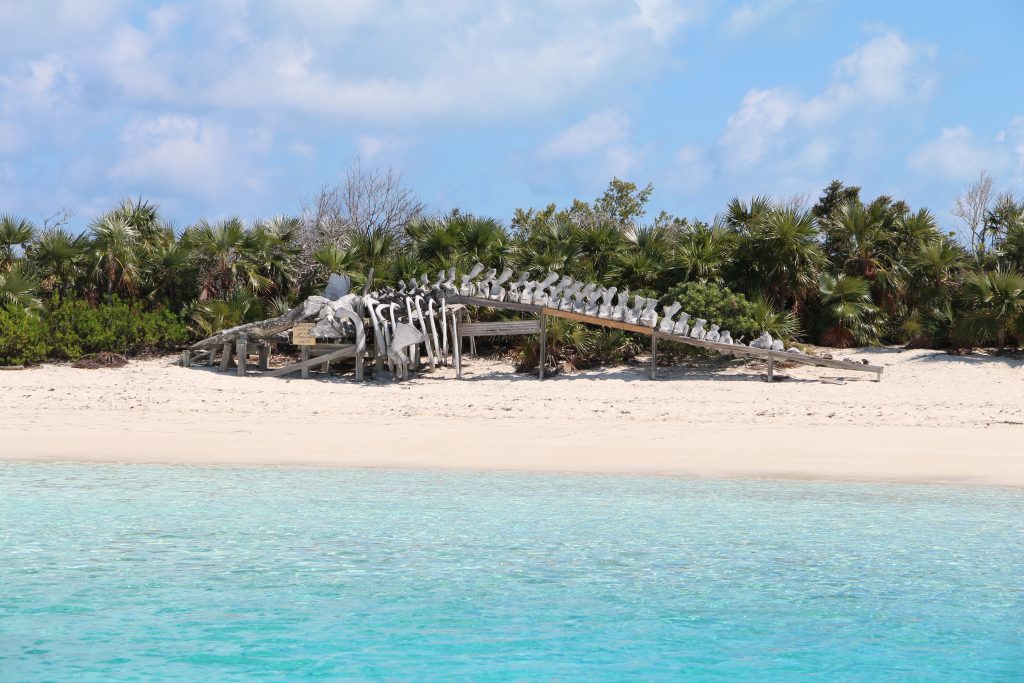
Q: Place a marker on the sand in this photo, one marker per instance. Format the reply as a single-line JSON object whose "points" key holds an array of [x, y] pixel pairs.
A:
{"points": [[934, 418]]}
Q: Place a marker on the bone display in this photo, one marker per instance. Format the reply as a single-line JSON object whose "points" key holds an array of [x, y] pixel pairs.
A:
{"points": [[419, 310]]}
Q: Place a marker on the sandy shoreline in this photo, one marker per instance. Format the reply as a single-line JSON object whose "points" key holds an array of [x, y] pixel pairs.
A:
{"points": [[933, 419]]}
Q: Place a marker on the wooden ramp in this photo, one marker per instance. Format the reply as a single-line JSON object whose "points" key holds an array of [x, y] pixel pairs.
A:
{"points": [[732, 349]]}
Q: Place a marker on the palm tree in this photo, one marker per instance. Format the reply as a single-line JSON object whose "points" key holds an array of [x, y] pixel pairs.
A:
{"points": [[848, 312], [114, 254], [19, 287], [59, 258], [223, 254], [14, 232], [742, 216], [703, 252], [169, 274], [994, 301], [595, 244], [782, 257]]}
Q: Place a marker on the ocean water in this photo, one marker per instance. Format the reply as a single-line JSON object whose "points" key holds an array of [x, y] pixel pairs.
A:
{"points": [[160, 573]]}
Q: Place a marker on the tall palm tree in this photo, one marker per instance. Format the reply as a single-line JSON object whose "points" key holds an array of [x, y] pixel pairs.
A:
{"points": [[782, 257], [994, 303], [114, 255], [224, 258], [59, 258], [14, 233], [743, 216], [703, 252], [848, 312]]}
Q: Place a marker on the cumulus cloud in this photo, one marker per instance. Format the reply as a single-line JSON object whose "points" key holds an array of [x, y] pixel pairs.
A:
{"points": [[750, 16], [886, 71], [958, 154], [186, 153], [600, 142]]}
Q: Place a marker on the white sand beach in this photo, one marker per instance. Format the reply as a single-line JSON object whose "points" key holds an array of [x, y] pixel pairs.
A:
{"points": [[933, 418]]}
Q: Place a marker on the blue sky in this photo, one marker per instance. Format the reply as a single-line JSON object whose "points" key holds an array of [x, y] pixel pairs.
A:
{"points": [[223, 107]]}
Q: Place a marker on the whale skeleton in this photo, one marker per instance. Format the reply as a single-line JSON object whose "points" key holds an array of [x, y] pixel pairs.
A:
{"points": [[420, 310]]}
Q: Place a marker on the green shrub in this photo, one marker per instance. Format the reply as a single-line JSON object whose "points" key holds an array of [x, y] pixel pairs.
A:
{"points": [[22, 337], [78, 328], [731, 310]]}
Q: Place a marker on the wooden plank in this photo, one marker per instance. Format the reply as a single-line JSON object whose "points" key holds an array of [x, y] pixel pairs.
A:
{"points": [[305, 358], [457, 349], [715, 346], [186, 359], [264, 356], [771, 368], [305, 364], [488, 303], [500, 328], [579, 317], [225, 358]]}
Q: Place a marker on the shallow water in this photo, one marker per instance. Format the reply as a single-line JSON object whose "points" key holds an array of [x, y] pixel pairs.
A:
{"points": [[147, 572]]}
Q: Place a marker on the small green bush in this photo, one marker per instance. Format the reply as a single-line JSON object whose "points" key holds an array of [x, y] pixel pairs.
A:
{"points": [[718, 305], [22, 337], [78, 328]]}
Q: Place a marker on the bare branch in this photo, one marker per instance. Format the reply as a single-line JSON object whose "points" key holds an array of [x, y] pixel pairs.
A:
{"points": [[972, 206]]}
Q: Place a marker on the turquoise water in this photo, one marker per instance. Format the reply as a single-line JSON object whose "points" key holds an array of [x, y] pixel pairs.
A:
{"points": [[160, 573]]}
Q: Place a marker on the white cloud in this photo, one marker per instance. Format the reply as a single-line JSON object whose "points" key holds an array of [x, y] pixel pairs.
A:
{"points": [[594, 133], [598, 147], [957, 154], [663, 18], [302, 149], [185, 153], [886, 71], [750, 16]]}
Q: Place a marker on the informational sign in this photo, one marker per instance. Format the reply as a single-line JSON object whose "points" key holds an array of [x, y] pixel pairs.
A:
{"points": [[301, 335]]}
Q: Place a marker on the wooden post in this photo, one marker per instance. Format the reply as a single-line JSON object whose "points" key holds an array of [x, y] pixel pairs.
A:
{"points": [[242, 353], [305, 357], [543, 343], [210, 361], [225, 357], [359, 366], [264, 356], [186, 359], [654, 353], [771, 368], [326, 367], [457, 348]]}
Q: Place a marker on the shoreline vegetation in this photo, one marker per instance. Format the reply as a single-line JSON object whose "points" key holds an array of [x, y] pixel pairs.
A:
{"points": [[842, 271], [870, 278], [936, 419]]}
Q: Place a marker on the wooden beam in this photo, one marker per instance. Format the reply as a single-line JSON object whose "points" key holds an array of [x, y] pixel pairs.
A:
{"points": [[306, 351], [225, 357], [264, 356], [305, 364], [654, 355], [500, 328], [543, 342], [579, 317], [242, 353], [488, 303]]}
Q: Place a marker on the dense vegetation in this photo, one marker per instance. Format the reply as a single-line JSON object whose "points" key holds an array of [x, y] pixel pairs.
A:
{"points": [[844, 271]]}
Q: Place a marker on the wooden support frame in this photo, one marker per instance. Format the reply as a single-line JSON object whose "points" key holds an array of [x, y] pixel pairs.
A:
{"points": [[242, 354], [543, 344], [306, 363], [225, 357]]}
